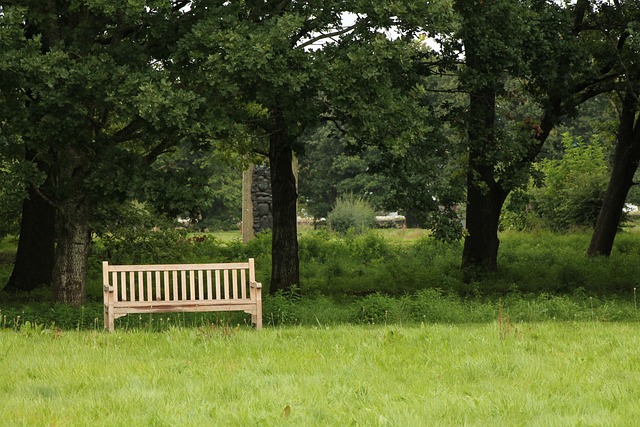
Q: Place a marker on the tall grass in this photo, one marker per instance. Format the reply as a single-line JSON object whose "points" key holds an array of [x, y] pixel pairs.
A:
{"points": [[378, 277], [551, 374]]}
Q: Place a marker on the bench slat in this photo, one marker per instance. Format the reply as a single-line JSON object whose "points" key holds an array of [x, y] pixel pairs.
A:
{"points": [[225, 274], [218, 284], [192, 286], [174, 284], [234, 283], [132, 288], [158, 295], [149, 287], [115, 285], [179, 267], [200, 286], [209, 287], [195, 306], [140, 287], [243, 281]]}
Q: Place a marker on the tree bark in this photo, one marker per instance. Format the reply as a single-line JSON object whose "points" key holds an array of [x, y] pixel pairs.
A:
{"points": [[285, 268], [481, 243], [72, 252], [485, 196], [35, 256], [73, 215], [625, 163]]}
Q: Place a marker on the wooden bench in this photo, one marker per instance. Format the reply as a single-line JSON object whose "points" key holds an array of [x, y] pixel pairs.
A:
{"points": [[163, 288]]}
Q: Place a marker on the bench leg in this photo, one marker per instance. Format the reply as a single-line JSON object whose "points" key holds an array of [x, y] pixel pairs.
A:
{"points": [[109, 319], [256, 319], [106, 317]]}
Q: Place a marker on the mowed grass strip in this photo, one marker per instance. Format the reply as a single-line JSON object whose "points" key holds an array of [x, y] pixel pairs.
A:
{"points": [[526, 374]]}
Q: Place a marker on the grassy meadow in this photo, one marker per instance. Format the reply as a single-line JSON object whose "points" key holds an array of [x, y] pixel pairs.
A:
{"points": [[391, 276], [382, 331], [493, 374]]}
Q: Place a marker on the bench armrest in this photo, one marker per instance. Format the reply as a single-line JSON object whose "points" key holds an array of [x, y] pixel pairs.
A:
{"points": [[107, 288], [256, 285]]}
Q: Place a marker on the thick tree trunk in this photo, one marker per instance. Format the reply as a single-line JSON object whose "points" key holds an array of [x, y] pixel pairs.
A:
{"points": [[485, 196], [73, 233], [285, 268], [72, 252], [34, 259], [625, 163], [481, 243]]}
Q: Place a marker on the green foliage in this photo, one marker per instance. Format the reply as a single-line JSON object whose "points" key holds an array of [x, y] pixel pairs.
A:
{"points": [[368, 247], [330, 165], [365, 280], [202, 185], [351, 213], [573, 187], [281, 308], [378, 309]]}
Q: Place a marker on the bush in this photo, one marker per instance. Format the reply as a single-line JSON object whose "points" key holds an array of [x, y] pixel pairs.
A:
{"points": [[573, 187], [379, 309], [351, 213], [369, 247]]}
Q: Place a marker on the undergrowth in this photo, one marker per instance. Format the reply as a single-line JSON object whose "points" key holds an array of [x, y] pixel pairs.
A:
{"points": [[289, 309], [368, 279]]}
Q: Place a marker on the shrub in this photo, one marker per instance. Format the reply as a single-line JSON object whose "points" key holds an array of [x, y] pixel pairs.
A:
{"points": [[351, 213], [142, 246], [369, 247], [573, 187], [379, 309], [319, 246]]}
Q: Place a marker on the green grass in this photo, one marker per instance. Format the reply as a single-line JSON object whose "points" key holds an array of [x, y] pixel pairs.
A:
{"points": [[225, 236], [546, 374]]}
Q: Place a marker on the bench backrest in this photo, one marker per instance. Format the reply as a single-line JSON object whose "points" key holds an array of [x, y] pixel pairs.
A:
{"points": [[180, 282]]}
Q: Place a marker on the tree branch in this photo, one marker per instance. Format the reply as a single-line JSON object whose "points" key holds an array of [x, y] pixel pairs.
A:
{"points": [[326, 36], [128, 132], [42, 195], [161, 148], [336, 123]]}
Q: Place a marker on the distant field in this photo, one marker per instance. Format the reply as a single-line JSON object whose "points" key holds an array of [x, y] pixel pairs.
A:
{"points": [[397, 235], [551, 374]]}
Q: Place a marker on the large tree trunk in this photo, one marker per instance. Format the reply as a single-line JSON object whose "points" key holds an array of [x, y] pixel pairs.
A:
{"points": [[481, 243], [34, 259], [625, 163], [72, 252], [285, 268], [485, 196], [73, 233]]}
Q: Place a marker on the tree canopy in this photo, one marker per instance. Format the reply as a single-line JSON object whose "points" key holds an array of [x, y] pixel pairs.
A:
{"points": [[104, 102]]}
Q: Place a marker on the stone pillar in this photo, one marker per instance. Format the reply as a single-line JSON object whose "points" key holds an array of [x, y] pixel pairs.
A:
{"points": [[261, 199], [257, 214]]}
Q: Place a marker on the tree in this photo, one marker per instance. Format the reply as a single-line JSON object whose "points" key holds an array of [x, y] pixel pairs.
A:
{"points": [[293, 64], [624, 47], [625, 161], [24, 174], [552, 49], [495, 36], [96, 96]]}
